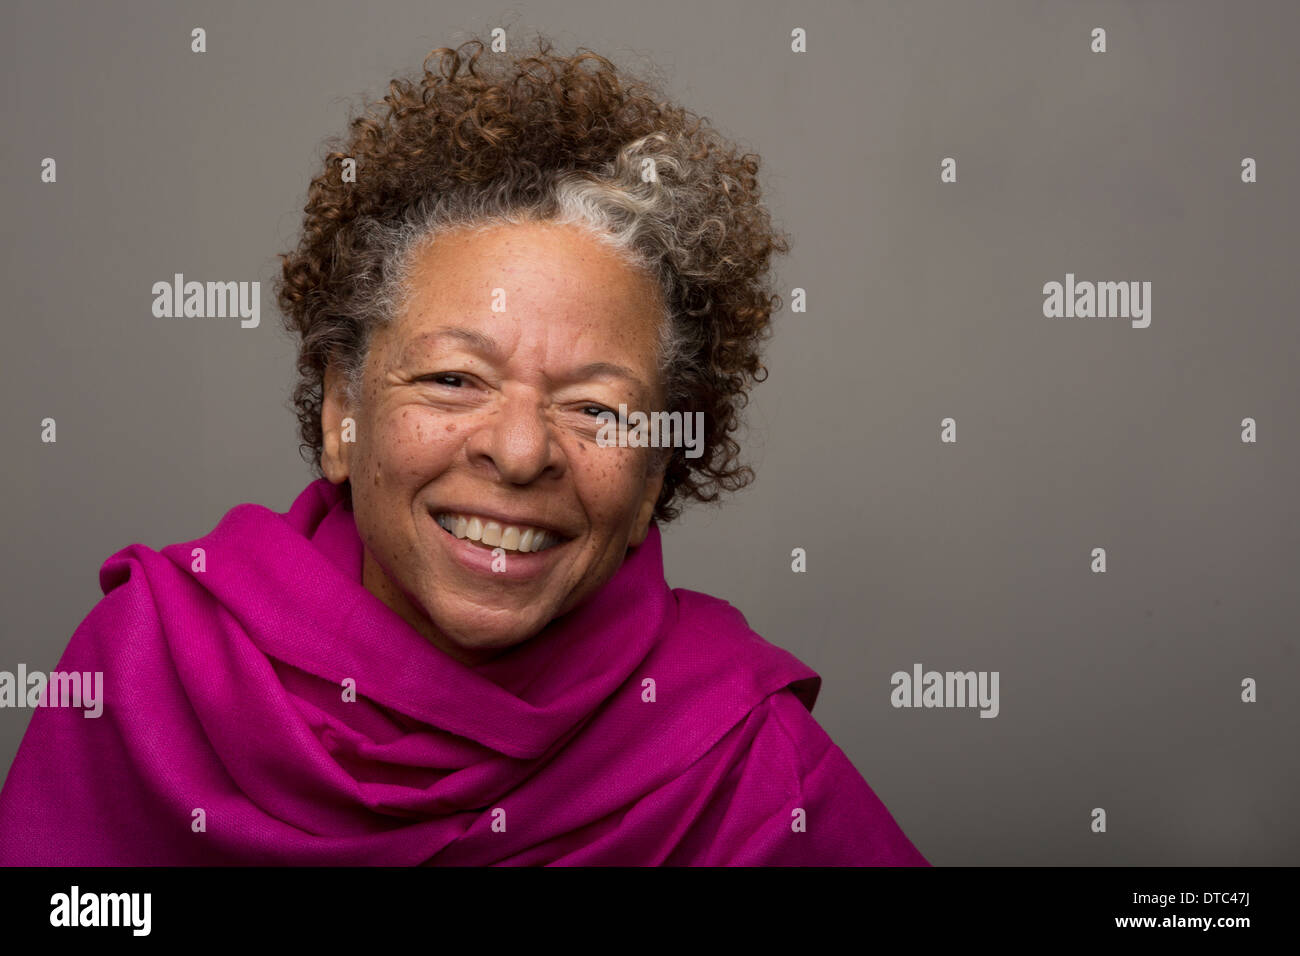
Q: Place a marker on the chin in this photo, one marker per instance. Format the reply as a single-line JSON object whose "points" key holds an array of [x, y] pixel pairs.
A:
{"points": [[484, 634]]}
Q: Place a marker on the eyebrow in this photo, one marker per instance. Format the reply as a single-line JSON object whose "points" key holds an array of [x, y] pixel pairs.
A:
{"points": [[596, 369], [475, 340], [489, 347]]}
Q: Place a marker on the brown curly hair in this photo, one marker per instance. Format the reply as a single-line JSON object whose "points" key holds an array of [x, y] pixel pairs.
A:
{"points": [[493, 138]]}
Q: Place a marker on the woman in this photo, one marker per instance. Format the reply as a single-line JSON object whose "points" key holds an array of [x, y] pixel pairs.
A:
{"points": [[458, 646]]}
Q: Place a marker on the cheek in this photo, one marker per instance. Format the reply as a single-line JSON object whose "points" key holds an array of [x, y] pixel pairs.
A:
{"points": [[611, 482], [403, 450], [407, 447]]}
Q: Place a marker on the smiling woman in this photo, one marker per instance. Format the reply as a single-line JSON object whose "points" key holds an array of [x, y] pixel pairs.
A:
{"points": [[458, 645], [475, 431]]}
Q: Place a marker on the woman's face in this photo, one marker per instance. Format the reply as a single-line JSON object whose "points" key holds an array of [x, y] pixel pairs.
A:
{"points": [[478, 405]]}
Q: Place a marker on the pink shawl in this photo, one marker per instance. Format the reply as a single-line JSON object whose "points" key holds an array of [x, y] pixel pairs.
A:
{"points": [[224, 693]]}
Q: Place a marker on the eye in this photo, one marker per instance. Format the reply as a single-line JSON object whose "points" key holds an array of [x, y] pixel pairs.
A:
{"points": [[450, 379], [595, 410]]}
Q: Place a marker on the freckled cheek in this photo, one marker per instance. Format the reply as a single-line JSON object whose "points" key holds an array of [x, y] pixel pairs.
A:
{"points": [[609, 482], [411, 445]]}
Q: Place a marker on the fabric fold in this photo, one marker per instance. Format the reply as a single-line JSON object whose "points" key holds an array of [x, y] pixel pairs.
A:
{"points": [[263, 707]]}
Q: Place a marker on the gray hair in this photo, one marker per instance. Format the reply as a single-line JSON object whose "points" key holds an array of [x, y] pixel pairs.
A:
{"points": [[482, 139], [635, 205]]}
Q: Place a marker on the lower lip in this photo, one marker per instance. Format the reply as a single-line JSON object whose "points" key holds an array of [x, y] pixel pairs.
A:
{"points": [[519, 565]]}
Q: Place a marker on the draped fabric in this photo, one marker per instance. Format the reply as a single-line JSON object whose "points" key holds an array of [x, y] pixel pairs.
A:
{"points": [[260, 706]]}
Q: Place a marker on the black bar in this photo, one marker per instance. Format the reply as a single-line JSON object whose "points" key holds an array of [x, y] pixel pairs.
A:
{"points": [[298, 906]]}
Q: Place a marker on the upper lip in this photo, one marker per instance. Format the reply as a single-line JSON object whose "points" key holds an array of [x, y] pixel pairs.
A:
{"points": [[519, 521]]}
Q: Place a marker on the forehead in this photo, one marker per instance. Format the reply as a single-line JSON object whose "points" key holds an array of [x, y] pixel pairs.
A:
{"points": [[530, 283]]}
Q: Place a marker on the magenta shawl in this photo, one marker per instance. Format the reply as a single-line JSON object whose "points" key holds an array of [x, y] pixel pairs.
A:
{"points": [[224, 692]]}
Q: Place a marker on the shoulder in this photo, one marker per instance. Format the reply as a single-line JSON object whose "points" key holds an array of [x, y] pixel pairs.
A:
{"points": [[237, 544], [790, 796], [149, 592], [780, 791], [716, 634]]}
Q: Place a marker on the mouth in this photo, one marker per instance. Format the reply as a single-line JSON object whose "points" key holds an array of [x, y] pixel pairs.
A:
{"points": [[490, 534]]}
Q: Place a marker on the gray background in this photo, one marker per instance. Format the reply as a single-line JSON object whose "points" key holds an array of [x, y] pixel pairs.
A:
{"points": [[1118, 690]]}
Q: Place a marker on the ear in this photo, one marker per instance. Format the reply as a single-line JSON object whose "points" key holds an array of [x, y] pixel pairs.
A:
{"points": [[641, 527], [336, 454]]}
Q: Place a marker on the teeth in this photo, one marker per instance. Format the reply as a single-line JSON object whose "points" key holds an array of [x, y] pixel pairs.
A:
{"points": [[493, 534]]}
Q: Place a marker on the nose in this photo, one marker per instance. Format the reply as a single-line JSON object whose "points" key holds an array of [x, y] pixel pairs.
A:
{"points": [[516, 441]]}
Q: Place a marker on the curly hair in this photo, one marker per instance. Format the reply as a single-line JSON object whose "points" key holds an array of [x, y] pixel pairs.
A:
{"points": [[481, 140]]}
